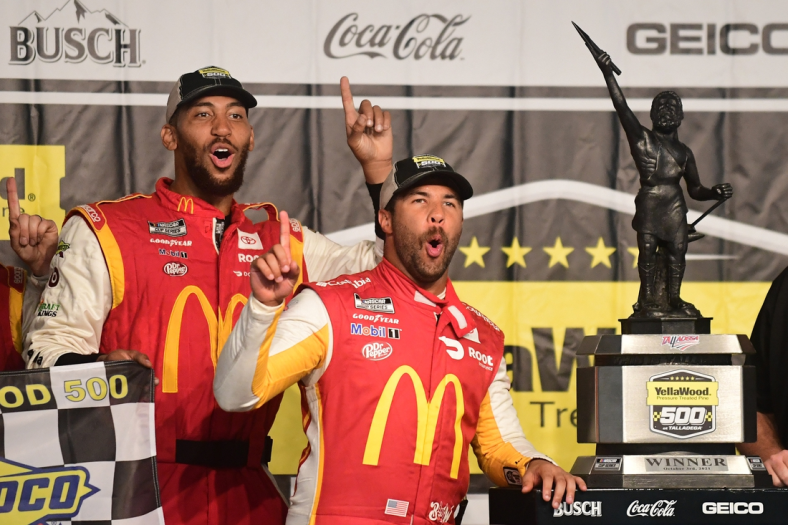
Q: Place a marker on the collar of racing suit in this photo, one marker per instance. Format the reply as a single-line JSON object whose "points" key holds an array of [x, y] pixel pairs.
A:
{"points": [[448, 307], [194, 205]]}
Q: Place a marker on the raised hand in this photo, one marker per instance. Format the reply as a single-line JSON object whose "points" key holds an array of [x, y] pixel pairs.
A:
{"points": [[604, 62], [368, 135], [274, 274], [33, 238]]}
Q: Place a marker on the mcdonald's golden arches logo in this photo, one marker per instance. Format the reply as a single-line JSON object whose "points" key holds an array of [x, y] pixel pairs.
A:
{"points": [[427, 415]]}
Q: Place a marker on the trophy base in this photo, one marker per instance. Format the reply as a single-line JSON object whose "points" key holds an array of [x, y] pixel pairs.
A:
{"points": [[697, 506], [672, 471], [666, 325]]}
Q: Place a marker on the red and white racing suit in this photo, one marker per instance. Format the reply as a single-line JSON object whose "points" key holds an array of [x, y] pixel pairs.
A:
{"points": [[396, 384], [18, 300], [152, 273]]}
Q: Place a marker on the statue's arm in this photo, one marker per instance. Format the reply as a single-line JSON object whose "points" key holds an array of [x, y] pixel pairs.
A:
{"points": [[698, 191], [635, 132]]}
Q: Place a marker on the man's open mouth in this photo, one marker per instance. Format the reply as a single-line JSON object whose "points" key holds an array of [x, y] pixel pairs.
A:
{"points": [[435, 246], [222, 155]]}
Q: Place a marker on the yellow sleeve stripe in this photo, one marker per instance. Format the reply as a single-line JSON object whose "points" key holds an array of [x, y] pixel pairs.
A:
{"points": [[15, 304], [112, 256], [275, 373], [492, 452]]}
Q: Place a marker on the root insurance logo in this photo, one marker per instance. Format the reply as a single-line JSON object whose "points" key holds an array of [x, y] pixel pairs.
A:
{"points": [[73, 33]]}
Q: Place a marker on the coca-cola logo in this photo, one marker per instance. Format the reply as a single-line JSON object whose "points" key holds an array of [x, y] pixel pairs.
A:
{"points": [[659, 509], [175, 269], [424, 36], [376, 351]]}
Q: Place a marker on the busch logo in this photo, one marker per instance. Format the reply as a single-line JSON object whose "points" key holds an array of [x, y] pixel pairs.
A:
{"points": [[579, 508], [440, 513], [680, 342], [71, 34], [660, 509], [175, 269], [424, 36], [376, 351]]}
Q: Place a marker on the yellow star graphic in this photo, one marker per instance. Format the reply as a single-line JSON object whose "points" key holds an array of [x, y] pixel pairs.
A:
{"points": [[635, 253], [474, 253], [516, 253], [600, 253], [558, 253]]}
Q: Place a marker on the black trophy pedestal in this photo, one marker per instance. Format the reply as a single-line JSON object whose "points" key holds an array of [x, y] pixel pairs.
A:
{"points": [[666, 325], [764, 506]]}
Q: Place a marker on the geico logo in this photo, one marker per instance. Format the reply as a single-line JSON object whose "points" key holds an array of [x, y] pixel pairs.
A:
{"points": [[699, 39], [731, 507], [372, 331], [579, 508], [426, 426], [376, 318], [683, 415], [31, 495], [425, 36], [376, 351], [244, 258], [482, 358]]}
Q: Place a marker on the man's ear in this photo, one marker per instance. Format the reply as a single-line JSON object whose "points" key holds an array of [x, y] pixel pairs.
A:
{"points": [[385, 220], [251, 139], [169, 137]]}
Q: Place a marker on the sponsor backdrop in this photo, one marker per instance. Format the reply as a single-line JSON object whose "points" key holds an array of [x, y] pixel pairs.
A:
{"points": [[505, 91]]}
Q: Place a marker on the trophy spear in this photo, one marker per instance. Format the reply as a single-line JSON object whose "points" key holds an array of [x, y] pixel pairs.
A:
{"points": [[595, 50]]}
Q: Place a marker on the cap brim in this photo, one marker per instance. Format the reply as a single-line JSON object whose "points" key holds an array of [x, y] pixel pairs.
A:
{"points": [[240, 94], [454, 179]]}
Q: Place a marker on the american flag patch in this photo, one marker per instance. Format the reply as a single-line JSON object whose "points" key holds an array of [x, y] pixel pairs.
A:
{"points": [[395, 507]]}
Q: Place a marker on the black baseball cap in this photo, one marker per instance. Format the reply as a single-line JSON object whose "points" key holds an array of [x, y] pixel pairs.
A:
{"points": [[415, 171], [203, 82]]}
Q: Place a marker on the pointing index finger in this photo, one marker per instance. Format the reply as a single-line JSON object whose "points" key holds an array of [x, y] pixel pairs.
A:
{"points": [[284, 232], [13, 198], [347, 102]]}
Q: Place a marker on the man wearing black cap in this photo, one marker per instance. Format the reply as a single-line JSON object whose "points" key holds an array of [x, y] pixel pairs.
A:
{"points": [[158, 278], [399, 375]]}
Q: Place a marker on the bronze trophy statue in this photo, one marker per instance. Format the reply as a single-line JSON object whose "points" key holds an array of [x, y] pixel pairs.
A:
{"points": [[660, 221]]}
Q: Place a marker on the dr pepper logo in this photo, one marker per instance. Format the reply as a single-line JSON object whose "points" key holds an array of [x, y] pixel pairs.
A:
{"points": [[73, 33]]}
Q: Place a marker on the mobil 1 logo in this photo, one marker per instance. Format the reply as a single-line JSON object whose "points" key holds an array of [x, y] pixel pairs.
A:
{"points": [[683, 403]]}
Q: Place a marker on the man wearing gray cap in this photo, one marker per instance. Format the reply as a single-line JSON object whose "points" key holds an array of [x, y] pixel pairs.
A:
{"points": [[158, 278], [399, 375]]}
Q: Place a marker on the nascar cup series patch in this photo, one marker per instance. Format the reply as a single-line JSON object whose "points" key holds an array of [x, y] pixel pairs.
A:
{"points": [[683, 403], [33, 495]]}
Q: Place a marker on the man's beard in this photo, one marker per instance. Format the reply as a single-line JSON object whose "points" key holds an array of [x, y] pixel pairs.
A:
{"points": [[409, 249], [203, 179]]}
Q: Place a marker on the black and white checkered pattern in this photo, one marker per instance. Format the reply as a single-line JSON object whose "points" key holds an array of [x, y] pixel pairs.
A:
{"points": [[109, 434]]}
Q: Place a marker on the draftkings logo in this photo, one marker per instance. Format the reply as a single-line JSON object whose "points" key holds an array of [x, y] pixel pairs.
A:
{"points": [[683, 403], [31, 495], [73, 33]]}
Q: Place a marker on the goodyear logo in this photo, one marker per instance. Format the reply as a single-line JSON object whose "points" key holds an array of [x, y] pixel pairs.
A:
{"points": [[31, 495]]}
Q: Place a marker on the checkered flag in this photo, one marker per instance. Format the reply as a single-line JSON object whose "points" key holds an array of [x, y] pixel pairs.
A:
{"points": [[77, 445]]}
